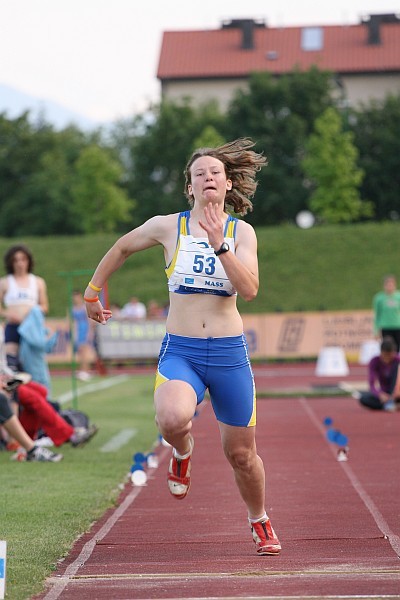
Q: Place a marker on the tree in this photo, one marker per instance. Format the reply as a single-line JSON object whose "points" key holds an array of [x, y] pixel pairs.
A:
{"points": [[98, 199], [279, 114], [377, 136], [330, 163], [155, 147]]}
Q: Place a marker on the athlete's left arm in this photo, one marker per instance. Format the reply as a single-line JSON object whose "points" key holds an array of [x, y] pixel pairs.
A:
{"points": [[242, 267]]}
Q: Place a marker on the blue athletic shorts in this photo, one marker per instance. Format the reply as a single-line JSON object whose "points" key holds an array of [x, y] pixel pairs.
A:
{"points": [[11, 333], [221, 365]]}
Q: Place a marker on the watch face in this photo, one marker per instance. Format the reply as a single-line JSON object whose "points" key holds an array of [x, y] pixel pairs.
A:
{"points": [[224, 248]]}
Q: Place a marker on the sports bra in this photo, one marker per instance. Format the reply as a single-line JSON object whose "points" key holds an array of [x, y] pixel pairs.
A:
{"points": [[17, 296], [194, 268]]}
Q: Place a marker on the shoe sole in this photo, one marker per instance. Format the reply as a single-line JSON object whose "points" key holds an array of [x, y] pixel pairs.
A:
{"points": [[268, 552]]}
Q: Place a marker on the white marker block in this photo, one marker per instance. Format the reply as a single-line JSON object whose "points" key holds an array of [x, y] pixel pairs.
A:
{"points": [[3, 551]]}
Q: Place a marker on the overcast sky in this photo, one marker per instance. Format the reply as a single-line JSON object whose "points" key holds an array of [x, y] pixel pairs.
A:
{"points": [[99, 57]]}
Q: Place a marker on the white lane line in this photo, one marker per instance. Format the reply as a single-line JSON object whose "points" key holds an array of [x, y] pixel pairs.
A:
{"points": [[379, 519], [93, 387], [88, 548], [119, 440]]}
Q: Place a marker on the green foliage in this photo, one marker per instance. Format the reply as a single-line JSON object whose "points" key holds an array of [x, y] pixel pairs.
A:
{"points": [[330, 163], [279, 114], [156, 158], [209, 138], [57, 182], [70, 182], [100, 203], [377, 136], [44, 507]]}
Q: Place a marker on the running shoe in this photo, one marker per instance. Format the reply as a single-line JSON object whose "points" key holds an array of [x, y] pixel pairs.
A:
{"points": [[179, 474], [82, 435], [40, 454], [390, 406], [265, 538]]}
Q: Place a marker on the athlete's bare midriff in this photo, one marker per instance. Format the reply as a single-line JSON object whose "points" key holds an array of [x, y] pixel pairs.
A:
{"points": [[203, 315], [17, 312]]}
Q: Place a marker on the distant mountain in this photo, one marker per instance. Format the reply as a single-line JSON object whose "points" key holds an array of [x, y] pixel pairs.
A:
{"points": [[13, 103]]}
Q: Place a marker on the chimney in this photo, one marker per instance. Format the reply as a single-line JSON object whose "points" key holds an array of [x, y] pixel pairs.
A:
{"points": [[247, 27], [373, 22]]}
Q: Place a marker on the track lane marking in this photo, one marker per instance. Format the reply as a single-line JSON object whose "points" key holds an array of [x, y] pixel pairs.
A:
{"points": [[379, 519]]}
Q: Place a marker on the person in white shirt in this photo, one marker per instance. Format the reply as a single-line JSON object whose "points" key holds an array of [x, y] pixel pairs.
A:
{"points": [[134, 309], [20, 290]]}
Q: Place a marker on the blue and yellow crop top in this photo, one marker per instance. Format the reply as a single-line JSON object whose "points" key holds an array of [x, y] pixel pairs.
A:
{"points": [[194, 268]]}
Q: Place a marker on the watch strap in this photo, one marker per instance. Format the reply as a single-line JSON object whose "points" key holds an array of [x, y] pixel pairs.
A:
{"points": [[224, 248]]}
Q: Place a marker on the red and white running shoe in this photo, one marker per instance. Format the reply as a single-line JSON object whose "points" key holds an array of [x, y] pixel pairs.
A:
{"points": [[265, 538], [179, 474]]}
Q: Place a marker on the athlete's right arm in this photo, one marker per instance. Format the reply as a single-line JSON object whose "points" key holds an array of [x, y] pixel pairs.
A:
{"points": [[157, 230]]}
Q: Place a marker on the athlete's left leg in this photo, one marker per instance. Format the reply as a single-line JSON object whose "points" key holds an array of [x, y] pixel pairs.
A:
{"points": [[240, 449]]}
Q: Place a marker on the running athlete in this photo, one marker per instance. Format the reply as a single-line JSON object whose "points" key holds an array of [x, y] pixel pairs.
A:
{"points": [[211, 257]]}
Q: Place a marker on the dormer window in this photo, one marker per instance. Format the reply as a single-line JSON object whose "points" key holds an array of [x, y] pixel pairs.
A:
{"points": [[312, 38]]}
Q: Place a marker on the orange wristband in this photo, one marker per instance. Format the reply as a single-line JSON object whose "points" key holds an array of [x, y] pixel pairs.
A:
{"points": [[95, 299]]}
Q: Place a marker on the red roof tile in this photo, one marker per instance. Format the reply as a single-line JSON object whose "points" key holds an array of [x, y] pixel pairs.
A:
{"points": [[218, 53]]}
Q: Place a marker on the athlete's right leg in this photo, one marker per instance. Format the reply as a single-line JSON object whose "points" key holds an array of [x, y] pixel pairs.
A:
{"points": [[175, 404]]}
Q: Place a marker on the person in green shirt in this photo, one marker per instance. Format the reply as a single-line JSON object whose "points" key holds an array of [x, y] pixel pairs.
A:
{"points": [[386, 307]]}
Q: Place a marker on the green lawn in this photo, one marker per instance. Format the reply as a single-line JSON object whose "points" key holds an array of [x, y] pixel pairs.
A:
{"points": [[335, 267], [44, 507]]}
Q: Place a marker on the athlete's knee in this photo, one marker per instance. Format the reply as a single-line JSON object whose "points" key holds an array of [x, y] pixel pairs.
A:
{"points": [[173, 421], [241, 457]]}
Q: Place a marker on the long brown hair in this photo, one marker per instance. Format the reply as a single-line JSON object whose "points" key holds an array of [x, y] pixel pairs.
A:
{"points": [[241, 165], [9, 258]]}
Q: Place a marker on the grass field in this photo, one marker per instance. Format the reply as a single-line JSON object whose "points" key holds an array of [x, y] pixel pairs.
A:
{"points": [[336, 267], [44, 507]]}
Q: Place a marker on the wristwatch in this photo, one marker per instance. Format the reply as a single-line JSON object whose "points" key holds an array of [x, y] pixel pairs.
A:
{"points": [[224, 248]]}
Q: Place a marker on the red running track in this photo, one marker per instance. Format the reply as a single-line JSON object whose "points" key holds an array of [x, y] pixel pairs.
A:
{"points": [[338, 521]]}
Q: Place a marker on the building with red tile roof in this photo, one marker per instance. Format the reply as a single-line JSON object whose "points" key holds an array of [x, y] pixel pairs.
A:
{"points": [[212, 64]]}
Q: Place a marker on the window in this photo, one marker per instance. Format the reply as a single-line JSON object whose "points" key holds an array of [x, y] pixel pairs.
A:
{"points": [[312, 38]]}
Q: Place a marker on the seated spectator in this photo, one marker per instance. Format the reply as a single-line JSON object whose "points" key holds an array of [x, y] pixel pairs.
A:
{"points": [[134, 309], [36, 414], [116, 310], [10, 422], [154, 310], [382, 377]]}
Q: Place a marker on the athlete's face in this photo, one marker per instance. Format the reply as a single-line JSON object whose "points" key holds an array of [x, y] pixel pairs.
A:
{"points": [[208, 179]]}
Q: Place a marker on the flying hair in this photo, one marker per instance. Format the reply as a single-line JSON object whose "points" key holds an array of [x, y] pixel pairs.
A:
{"points": [[241, 165]]}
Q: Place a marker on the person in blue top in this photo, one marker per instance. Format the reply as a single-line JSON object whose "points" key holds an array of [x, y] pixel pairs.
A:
{"points": [[211, 257], [84, 337]]}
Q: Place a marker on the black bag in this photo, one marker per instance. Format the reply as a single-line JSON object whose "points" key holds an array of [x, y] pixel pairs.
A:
{"points": [[75, 418]]}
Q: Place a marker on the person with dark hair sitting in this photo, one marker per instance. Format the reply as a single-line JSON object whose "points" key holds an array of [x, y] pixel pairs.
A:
{"points": [[382, 377]]}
